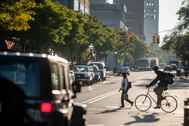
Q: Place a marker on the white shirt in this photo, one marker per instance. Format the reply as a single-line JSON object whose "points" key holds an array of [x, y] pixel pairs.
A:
{"points": [[124, 84]]}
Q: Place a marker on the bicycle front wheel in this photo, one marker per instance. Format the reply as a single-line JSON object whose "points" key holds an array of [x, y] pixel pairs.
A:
{"points": [[143, 102], [169, 104]]}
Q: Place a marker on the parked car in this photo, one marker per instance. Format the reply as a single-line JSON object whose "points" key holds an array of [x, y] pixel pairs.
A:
{"points": [[101, 67], [167, 68], [35, 90], [124, 69], [83, 74], [174, 66], [97, 73]]}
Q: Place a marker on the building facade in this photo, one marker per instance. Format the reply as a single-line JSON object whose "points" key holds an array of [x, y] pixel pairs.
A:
{"points": [[113, 15], [82, 5], [134, 16], [151, 21], [142, 18]]}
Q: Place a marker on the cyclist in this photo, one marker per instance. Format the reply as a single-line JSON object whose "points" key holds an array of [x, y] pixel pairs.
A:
{"points": [[162, 85]]}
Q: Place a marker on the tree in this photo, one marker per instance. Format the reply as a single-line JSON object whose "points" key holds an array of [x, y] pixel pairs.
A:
{"points": [[51, 25], [76, 42], [14, 15], [183, 15], [177, 42]]}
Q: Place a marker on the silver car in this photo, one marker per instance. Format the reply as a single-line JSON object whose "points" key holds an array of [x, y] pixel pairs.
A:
{"points": [[124, 69]]}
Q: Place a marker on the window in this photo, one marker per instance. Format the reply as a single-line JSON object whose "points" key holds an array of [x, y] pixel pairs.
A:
{"points": [[23, 74], [54, 77]]}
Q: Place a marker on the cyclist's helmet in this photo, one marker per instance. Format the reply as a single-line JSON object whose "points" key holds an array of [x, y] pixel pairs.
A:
{"points": [[155, 68]]}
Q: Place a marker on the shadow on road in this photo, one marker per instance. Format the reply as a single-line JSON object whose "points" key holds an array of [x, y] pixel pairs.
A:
{"points": [[112, 110], [144, 119]]}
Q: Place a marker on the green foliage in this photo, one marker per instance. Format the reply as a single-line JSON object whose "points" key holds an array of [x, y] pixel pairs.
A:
{"points": [[15, 14], [183, 15], [48, 26], [176, 42]]}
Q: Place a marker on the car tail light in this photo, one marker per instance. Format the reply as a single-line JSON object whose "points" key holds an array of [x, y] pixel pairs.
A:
{"points": [[46, 107]]}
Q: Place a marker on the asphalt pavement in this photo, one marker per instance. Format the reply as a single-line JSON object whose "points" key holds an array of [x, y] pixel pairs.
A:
{"points": [[103, 102]]}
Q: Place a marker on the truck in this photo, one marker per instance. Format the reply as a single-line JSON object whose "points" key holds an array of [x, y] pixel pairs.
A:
{"points": [[154, 62], [144, 63]]}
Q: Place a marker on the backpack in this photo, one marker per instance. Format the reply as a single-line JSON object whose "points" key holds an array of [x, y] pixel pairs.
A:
{"points": [[169, 78]]}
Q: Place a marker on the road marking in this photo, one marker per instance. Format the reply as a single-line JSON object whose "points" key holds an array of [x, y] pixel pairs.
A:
{"points": [[138, 82], [90, 88], [100, 97], [95, 125]]}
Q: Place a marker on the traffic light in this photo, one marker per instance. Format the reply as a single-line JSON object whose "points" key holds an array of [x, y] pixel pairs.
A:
{"points": [[153, 39], [157, 37], [130, 38]]}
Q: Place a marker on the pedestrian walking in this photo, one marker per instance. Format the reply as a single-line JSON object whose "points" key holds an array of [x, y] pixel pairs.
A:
{"points": [[124, 89]]}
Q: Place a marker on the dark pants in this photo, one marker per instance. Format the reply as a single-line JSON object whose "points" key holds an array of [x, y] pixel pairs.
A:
{"points": [[159, 90], [122, 99]]}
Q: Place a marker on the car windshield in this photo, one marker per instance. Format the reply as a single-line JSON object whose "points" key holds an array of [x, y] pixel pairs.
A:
{"points": [[25, 75], [80, 69], [123, 68]]}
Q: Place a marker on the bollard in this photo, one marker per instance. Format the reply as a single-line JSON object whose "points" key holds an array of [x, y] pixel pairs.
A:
{"points": [[186, 112]]}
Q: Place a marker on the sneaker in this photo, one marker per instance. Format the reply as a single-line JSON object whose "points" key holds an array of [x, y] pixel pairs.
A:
{"points": [[157, 107], [122, 106]]}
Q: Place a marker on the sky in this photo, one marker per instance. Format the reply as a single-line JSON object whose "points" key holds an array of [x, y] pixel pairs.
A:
{"points": [[167, 16]]}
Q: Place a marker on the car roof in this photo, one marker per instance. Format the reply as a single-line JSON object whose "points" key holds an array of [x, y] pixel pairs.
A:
{"points": [[33, 55]]}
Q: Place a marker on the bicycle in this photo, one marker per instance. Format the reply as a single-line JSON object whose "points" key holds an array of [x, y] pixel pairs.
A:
{"points": [[143, 102]]}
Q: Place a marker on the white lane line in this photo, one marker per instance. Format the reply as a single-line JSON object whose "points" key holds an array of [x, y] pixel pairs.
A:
{"points": [[140, 81], [101, 96], [95, 125]]}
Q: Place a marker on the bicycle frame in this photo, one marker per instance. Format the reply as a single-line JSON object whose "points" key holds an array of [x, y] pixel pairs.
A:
{"points": [[148, 94]]}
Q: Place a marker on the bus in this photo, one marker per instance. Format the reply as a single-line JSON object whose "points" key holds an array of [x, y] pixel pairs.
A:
{"points": [[144, 63], [154, 62]]}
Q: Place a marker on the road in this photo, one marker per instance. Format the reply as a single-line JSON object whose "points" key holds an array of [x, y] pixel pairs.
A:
{"points": [[103, 101]]}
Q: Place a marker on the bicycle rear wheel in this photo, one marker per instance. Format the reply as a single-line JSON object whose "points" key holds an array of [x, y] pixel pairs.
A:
{"points": [[169, 104], [143, 102]]}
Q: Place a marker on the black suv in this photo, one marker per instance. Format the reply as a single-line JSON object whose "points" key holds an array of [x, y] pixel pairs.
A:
{"points": [[35, 90]]}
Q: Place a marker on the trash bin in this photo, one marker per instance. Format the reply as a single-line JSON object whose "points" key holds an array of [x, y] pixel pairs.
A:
{"points": [[178, 72], [186, 112]]}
